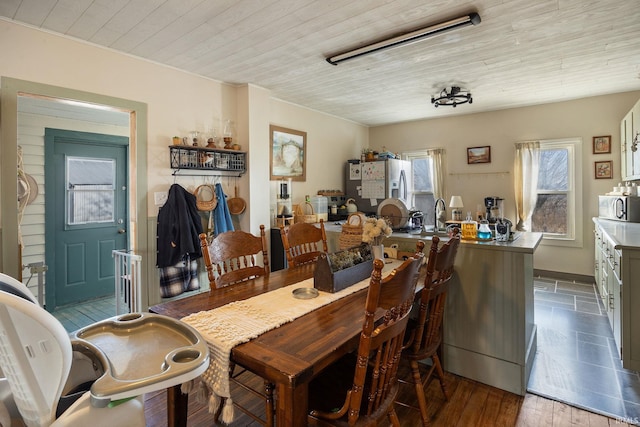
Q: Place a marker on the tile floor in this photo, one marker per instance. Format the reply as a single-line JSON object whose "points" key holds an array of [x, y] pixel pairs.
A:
{"points": [[577, 361]]}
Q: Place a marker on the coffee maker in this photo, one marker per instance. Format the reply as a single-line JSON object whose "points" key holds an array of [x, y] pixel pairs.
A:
{"points": [[493, 206], [284, 214]]}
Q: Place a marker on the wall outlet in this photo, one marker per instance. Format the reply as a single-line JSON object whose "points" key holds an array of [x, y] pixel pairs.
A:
{"points": [[160, 197]]}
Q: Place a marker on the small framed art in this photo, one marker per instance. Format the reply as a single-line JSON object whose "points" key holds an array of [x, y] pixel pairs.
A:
{"points": [[604, 170], [602, 144], [478, 155], [288, 153]]}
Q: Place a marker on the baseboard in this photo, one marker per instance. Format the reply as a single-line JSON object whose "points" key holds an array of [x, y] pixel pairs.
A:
{"points": [[568, 277]]}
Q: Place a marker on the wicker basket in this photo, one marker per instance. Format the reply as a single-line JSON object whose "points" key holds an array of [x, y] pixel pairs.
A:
{"points": [[302, 216], [351, 234], [206, 202]]}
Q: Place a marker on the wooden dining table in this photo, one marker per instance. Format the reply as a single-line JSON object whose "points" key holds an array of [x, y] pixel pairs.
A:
{"points": [[289, 356]]}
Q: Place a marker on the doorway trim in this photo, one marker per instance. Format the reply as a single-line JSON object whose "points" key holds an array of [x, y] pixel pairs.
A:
{"points": [[11, 89]]}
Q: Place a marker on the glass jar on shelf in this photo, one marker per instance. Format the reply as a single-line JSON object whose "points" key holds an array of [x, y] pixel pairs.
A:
{"points": [[228, 134]]}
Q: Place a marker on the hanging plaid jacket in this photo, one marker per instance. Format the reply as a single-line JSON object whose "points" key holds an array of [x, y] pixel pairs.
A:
{"points": [[179, 225]]}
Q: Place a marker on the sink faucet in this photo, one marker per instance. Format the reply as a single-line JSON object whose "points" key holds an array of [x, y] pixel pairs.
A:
{"points": [[435, 212]]}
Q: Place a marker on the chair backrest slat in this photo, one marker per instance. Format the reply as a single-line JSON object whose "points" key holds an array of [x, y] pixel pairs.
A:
{"points": [[301, 242], [231, 257], [381, 342], [440, 267]]}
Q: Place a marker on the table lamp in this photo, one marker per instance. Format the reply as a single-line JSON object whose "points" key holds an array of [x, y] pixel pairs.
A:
{"points": [[456, 205]]}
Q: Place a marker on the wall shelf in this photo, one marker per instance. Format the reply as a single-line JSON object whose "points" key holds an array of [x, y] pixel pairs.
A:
{"points": [[197, 161]]}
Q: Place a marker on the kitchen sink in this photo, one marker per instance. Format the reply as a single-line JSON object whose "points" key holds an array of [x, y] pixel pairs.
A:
{"points": [[429, 231]]}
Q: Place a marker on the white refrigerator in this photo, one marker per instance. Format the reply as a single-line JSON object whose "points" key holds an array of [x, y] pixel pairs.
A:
{"points": [[369, 183]]}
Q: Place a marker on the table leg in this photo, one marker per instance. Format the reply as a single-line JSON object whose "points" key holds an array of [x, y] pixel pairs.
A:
{"points": [[292, 405], [177, 405]]}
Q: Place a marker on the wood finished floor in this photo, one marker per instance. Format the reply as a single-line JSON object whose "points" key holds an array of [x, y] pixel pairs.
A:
{"points": [[471, 404]]}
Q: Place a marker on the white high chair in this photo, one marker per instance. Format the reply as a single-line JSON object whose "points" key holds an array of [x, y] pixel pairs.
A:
{"points": [[36, 356], [55, 380], [14, 286]]}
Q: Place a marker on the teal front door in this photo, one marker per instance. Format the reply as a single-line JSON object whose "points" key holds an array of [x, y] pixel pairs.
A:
{"points": [[85, 214]]}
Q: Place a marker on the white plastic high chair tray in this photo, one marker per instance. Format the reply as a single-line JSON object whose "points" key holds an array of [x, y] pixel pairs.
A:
{"points": [[145, 352]]}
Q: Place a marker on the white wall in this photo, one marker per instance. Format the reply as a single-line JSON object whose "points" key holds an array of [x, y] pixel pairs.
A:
{"points": [[178, 103], [331, 141], [584, 118]]}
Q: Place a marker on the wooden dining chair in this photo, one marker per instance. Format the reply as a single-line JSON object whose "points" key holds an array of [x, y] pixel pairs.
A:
{"points": [[425, 335], [302, 242], [360, 388], [230, 259]]}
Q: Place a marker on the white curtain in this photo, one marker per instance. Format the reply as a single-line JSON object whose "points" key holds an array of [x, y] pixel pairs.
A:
{"points": [[526, 181], [437, 172]]}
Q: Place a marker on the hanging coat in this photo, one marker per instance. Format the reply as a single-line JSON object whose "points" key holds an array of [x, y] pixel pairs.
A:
{"points": [[179, 225], [221, 216]]}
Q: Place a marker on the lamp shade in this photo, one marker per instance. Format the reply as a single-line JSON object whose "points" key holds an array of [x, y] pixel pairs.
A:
{"points": [[456, 202]]}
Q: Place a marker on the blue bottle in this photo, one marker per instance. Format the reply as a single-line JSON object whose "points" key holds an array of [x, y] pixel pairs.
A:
{"points": [[484, 232]]}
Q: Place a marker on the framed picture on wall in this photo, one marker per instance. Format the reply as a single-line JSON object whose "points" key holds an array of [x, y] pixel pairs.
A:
{"points": [[288, 153], [602, 144], [478, 155], [604, 170]]}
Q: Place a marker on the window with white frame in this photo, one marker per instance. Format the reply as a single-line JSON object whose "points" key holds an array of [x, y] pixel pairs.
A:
{"points": [[422, 177], [559, 190]]}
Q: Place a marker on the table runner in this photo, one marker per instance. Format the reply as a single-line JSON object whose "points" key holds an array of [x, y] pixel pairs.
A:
{"points": [[240, 321]]}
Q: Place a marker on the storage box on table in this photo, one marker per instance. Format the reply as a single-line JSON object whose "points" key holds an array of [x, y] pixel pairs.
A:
{"points": [[339, 270]]}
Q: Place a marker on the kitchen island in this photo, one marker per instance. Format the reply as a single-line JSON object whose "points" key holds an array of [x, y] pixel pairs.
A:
{"points": [[489, 330]]}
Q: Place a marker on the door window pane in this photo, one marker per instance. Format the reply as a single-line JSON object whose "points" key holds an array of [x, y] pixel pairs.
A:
{"points": [[90, 185]]}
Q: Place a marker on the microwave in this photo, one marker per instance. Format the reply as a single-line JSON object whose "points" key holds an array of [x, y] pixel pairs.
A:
{"points": [[619, 208]]}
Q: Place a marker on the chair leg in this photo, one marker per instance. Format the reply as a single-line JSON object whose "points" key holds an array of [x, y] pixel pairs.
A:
{"points": [[393, 418], [440, 373], [422, 401]]}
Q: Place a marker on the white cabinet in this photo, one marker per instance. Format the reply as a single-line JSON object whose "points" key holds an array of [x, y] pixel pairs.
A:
{"points": [[630, 144], [616, 272], [600, 260], [608, 281], [630, 301]]}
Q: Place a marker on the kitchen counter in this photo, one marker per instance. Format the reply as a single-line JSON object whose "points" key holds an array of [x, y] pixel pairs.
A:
{"points": [[616, 272], [625, 235], [522, 242], [489, 331]]}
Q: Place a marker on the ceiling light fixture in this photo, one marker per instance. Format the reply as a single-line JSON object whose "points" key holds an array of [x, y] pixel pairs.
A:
{"points": [[452, 98], [407, 38]]}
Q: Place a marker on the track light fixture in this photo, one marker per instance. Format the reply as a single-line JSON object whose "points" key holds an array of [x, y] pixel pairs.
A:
{"points": [[406, 38], [452, 98]]}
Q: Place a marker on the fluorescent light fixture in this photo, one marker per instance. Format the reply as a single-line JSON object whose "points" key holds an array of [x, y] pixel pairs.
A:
{"points": [[407, 38]]}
